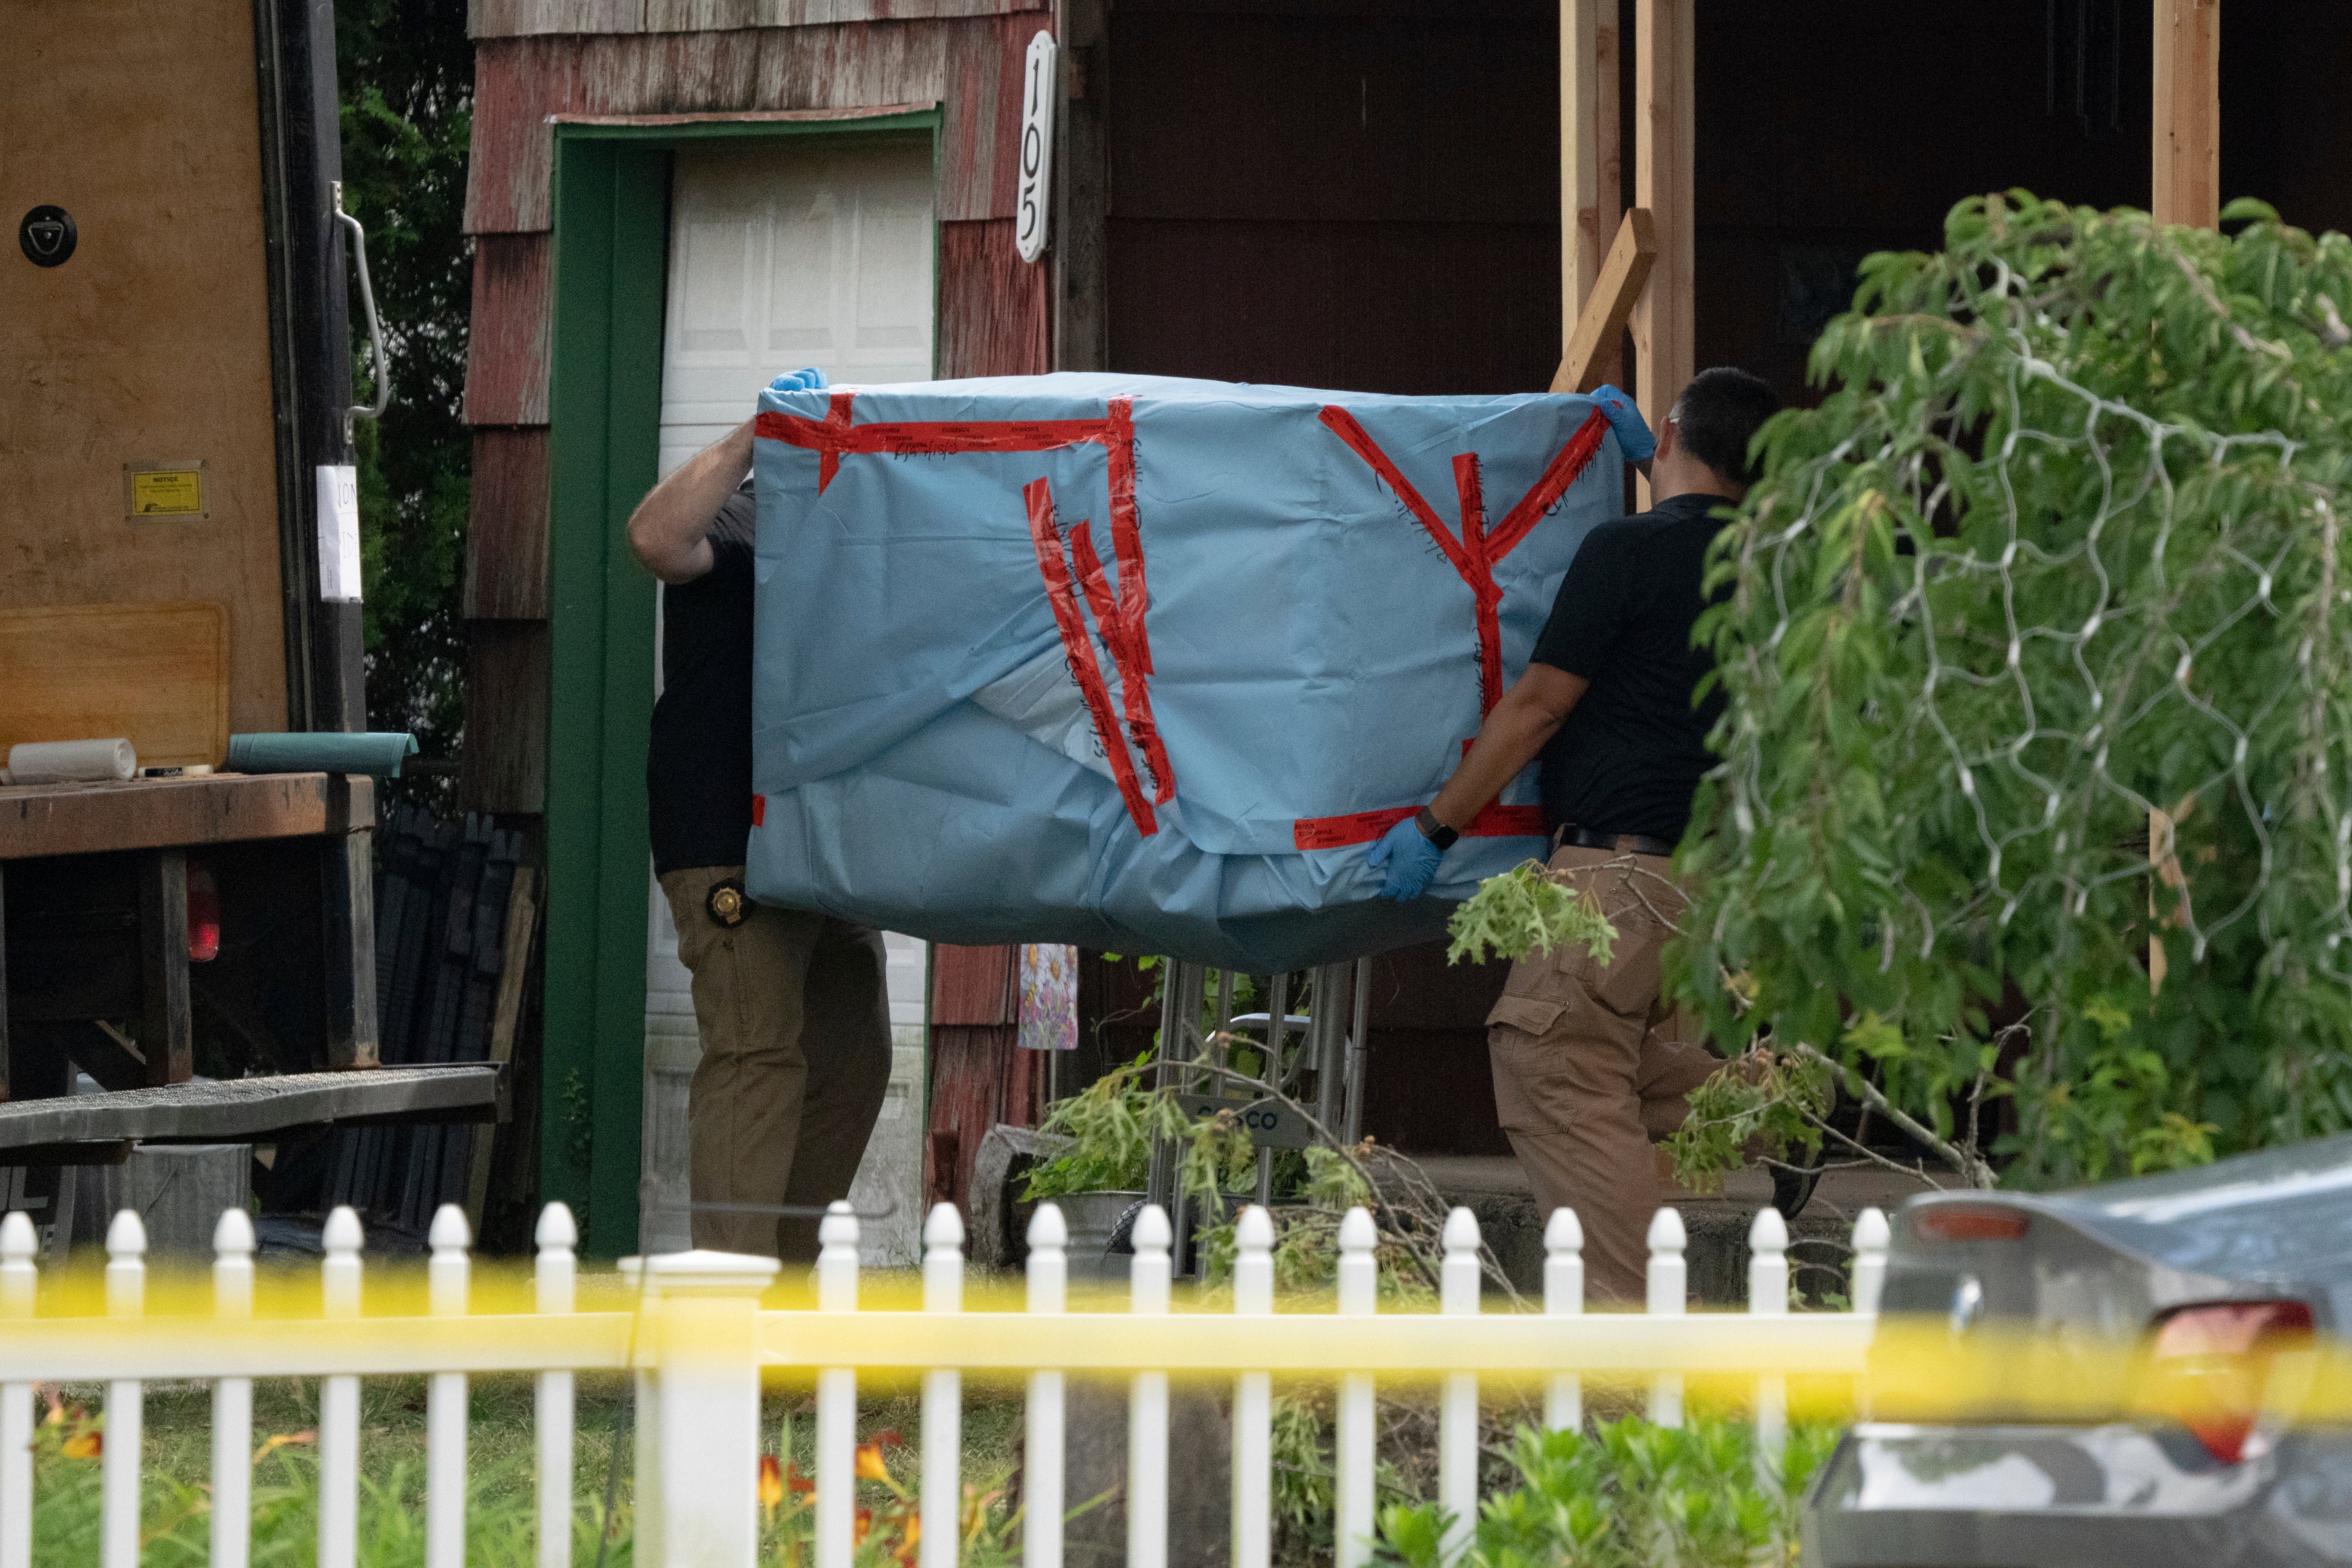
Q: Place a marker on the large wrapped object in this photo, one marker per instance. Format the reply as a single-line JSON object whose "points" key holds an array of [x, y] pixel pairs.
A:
{"points": [[1144, 664]]}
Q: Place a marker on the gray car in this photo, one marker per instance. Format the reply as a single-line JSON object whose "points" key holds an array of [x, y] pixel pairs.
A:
{"points": [[2228, 1276]]}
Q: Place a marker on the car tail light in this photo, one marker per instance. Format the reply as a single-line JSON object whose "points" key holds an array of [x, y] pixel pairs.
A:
{"points": [[204, 915], [2210, 1366], [1970, 1222]]}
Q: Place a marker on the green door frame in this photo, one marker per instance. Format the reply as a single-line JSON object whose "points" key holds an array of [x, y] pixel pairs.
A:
{"points": [[612, 247]]}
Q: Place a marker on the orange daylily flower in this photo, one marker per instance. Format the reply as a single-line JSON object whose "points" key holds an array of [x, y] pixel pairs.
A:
{"points": [[913, 1538], [862, 1527], [870, 1466], [797, 1482], [87, 1445], [771, 1482], [280, 1440]]}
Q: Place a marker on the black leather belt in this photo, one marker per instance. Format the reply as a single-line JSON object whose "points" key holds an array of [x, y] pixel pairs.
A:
{"points": [[1621, 843]]}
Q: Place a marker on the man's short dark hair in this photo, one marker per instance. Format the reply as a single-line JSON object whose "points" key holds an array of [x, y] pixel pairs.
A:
{"points": [[1719, 414]]}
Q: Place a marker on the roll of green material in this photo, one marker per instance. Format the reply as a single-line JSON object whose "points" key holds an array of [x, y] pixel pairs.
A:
{"points": [[321, 751]]}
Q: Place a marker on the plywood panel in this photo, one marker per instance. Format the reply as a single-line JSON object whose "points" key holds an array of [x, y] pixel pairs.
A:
{"points": [[152, 342], [506, 534], [155, 675], [506, 357], [992, 315]]}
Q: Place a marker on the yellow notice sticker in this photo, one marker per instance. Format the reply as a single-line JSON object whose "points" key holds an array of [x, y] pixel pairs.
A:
{"points": [[167, 493]]}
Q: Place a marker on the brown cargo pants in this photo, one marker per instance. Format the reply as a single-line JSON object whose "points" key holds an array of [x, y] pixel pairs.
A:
{"points": [[1591, 1067], [795, 1025]]}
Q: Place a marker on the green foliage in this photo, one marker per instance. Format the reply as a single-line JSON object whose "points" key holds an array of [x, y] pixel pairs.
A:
{"points": [[2060, 547], [1626, 1495], [407, 73], [1113, 1121], [1528, 910], [501, 1511], [1762, 1098]]}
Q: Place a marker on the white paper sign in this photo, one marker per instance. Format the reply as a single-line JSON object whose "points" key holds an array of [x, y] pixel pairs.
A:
{"points": [[1036, 149], [338, 533]]}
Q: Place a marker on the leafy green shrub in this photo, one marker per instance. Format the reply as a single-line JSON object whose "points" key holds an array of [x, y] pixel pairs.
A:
{"points": [[2061, 551], [1625, 1495]]}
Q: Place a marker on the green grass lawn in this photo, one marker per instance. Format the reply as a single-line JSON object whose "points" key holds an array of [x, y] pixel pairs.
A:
{"points": [[501, 1447]]}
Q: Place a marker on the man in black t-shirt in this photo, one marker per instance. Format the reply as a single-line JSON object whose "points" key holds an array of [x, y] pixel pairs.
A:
{"points": [[1590, 1064], [790, 1006]]}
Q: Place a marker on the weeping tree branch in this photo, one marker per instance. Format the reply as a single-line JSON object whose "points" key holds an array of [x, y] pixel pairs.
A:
{"points": [[1972, 1168]]}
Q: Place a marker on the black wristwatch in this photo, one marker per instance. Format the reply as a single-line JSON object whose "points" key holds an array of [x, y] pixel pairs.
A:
{"points": [[1435, 831]]}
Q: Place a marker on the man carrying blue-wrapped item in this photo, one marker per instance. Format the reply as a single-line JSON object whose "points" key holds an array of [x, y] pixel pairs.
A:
{"points": [[1592, 1065], [790, 1006]]}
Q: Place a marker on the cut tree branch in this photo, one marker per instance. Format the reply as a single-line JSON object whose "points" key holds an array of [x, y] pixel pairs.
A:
{"points": [[1972, 1169]]}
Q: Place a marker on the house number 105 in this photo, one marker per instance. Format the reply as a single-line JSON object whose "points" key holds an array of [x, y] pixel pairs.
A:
{"points": [[1036, 149]]}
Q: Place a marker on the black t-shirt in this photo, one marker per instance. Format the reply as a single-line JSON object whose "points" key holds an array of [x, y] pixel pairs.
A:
{"points": [[698, 767], [1633, 748]]}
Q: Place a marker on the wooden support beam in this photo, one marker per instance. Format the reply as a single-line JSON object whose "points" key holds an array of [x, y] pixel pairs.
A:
{"points": [[1592, 347], [1665, 323], [2187, 130], [2188, 190], [1591, 171], [167, 1034]]}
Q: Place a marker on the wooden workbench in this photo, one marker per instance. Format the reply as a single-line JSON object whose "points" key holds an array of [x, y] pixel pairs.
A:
{"points": [[80, 851], [40, 819]]}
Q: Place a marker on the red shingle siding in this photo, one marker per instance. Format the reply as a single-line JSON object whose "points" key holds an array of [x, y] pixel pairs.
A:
{"points": [[973, 66], [505, 360], [510, 18], [992, 319], [506, 532]]}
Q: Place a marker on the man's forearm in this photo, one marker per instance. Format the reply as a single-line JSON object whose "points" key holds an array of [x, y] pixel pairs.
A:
{"points": [[667, 531], [1507, 743]]}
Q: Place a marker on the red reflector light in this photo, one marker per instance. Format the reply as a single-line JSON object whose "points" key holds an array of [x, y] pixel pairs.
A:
{"points": [[2208, 1366], [1970, 1222], [204, 915]]}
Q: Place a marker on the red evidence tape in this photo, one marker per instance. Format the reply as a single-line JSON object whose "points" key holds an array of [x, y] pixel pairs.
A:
{"points": [[1080, 648], [1474, 556], [1496, 821], [1119, 615], [759, 810]]}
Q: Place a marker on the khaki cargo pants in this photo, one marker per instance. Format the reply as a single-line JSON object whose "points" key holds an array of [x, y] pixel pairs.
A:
{"points": [[795, 1025], [1590, 1068]]}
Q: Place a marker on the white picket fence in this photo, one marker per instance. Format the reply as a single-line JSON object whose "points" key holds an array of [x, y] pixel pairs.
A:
{"points": [[697, 1341]]}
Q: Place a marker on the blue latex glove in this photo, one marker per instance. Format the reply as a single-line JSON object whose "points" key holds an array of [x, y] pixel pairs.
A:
{"points": [[1410, 859], [1633, 437], [813, 380]]}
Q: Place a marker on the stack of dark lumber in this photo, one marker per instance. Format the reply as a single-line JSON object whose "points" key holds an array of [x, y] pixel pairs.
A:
{"points": [[444, 894]]}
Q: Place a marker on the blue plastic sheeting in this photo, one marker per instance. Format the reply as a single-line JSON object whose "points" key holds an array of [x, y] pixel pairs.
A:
{"points": [[992, 709]]}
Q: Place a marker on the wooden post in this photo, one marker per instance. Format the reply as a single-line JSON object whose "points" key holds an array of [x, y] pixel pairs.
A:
{"points": [[2188, 190], [166, 1038], [1591, 171], [1664, 321], [2188, 129], [1592, 347]]}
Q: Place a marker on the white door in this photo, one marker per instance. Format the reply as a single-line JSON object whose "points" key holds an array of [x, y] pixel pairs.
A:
{"points": [[784, 251]]}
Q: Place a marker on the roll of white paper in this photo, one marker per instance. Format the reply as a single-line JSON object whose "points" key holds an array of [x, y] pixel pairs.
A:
{"points": [[70, 761]]}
